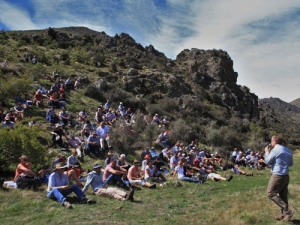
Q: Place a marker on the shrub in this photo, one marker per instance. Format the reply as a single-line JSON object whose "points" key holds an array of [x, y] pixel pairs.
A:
{"points": [[22, 140], [93, 92]]}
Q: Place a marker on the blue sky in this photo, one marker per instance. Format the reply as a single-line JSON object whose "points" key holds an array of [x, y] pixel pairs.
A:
{"points": [[262, 37]]}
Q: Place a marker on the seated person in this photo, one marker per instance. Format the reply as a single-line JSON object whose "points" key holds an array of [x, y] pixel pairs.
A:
{"points": [[154, 154], [174, 161], [38, 98], [93, 144], [57, 135], [158, 164], [167, 154], [145, 152], [24, 169], [113, 174], [87, 130], [181, 174], [82, 116], [108, 159], [107, 105], [144, 163], [7, 122], [75, 143], [77, 84], [5, 63], [135, 177], [53, 100], [99, 115], [59, 187], [34, 60], [69, 84], [72, 161], [95, 179], [122, 110], [240, 159], [165, 121], [24, 176], [217, 158], [121, 162], [252, 160], [110, 117], [208, 159], [151, 173], [51, 116], [129, 113], [19, 99], [19, 110], [103, 133], [234, 155], [237, 170], [64, 117]]}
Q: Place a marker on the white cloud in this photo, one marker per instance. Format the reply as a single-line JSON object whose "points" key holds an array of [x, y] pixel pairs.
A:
{"points": [[15, 18]]}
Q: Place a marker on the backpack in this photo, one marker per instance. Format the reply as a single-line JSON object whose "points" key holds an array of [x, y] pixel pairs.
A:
{"points": [[27, 183]]}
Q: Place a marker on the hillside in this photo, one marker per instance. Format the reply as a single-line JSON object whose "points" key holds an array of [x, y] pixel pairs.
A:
{"points": [[197, 91], [296, 102]]}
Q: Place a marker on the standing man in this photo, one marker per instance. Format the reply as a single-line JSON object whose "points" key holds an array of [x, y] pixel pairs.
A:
{"points": [[103, 132], [280, 159]]}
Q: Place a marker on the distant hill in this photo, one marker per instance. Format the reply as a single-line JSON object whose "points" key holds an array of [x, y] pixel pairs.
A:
{"points": [[296, 102]]}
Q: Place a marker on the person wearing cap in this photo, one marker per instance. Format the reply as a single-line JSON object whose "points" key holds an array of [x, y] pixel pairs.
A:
{"points": [[38, 98], [64, 117], [145, 152], [108, 158], [87, 130], [74, 142], [113, 174], [135, 176], [93, 144], [7, 122], [174, 160], [95, 179], [59, 187], [51, 116], [103, 133], [57, 135]]}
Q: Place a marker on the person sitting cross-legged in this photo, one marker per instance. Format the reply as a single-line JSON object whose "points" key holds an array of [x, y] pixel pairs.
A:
{"points": [[59, 187], [95, 179]]}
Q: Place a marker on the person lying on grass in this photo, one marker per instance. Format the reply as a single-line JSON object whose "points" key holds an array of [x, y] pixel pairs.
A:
{"points": [[99, 187]]}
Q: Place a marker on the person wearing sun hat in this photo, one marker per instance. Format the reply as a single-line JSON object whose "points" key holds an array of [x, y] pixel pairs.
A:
{"points": [[95, 179], [59, 187]]}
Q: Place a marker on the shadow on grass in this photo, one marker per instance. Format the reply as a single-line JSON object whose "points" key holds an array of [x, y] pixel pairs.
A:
{"points": [[295, 222]]}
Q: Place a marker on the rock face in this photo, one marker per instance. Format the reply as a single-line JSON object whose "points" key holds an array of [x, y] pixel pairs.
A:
{"points": [[213, 70]]}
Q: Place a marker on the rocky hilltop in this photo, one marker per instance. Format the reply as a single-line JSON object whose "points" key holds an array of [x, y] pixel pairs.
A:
{"points": [[198, 87]]}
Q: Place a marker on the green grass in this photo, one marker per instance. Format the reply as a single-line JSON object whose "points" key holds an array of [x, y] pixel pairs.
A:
{"points": [[241, 201]]}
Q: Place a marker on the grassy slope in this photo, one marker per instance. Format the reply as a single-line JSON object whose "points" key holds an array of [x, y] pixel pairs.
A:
{"points": [[241, 201]]}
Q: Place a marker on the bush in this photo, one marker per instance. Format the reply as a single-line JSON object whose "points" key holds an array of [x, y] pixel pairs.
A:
{"points": [[22, 140], [93, 92]]}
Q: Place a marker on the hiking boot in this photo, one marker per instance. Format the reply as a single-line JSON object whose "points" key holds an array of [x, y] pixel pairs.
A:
{"points": [[67, 205], [129, 195], [288, 216], [152, 186], [278, 217], [229, 178], [85, 201]]}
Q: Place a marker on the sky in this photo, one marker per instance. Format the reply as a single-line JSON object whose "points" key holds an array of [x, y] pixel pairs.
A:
{"points": [[261, 37]]}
